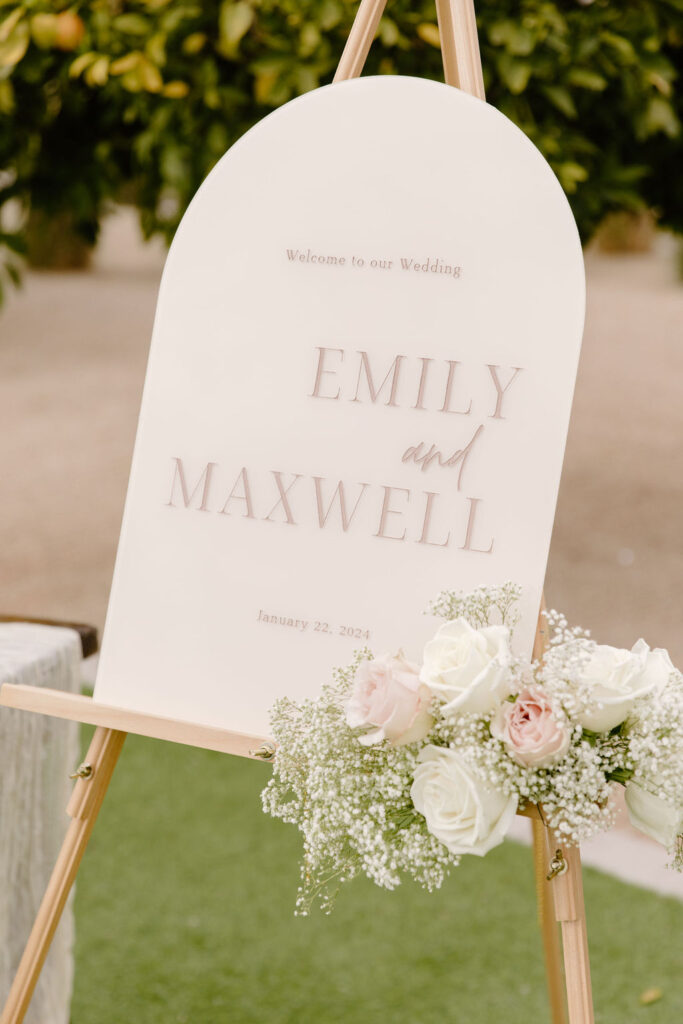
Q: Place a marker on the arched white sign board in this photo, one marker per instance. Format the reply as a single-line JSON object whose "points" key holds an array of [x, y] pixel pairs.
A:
{"points": [[358, 395]]}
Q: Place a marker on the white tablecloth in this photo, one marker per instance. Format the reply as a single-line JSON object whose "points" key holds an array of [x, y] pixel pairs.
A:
{"points": [[36, 755]]}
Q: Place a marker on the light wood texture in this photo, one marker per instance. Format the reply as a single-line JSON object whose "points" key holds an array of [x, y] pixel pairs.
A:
{"points": [[570, 911], [460, 46], [85, 804], [548, 924], [83, 709], [360, 39], [459, 43], [544, 896], [529, 811]]}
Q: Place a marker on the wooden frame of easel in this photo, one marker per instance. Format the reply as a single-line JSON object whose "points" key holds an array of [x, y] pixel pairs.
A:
{"points": [[557, 868]]}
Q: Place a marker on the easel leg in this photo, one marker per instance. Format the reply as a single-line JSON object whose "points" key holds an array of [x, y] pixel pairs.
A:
{"points": [[548, 924], [570, 911], [544, 896], [83, 808]]}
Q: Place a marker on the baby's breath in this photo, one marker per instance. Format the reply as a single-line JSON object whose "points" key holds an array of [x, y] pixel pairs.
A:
{"points": [[481, 607], [352, 802]]}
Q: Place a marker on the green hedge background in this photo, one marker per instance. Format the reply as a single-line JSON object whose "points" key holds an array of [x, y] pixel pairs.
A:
{"points": [[137, 99]]}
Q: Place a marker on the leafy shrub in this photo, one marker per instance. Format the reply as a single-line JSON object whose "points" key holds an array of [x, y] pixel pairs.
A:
{"points": [[146, 95]]}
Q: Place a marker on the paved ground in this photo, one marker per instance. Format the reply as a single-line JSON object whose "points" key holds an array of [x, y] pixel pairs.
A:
{"points": [[72, 357]]}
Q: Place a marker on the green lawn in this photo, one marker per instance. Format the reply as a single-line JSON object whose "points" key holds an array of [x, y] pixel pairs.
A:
{"points": [[184, 914]]}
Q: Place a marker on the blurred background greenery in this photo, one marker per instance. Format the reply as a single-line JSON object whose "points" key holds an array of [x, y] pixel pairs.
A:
{"points": [[135, 100]]}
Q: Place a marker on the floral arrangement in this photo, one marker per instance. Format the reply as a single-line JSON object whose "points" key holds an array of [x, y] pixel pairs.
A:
{"points": [[399, 769]]}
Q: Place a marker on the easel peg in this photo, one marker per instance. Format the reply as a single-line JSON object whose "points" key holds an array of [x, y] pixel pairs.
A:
{"points": [[557, 866], [84, 771], [266, 752]]}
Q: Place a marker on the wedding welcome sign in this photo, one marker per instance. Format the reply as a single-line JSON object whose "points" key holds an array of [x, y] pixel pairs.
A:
{"points": [[358, 395]]}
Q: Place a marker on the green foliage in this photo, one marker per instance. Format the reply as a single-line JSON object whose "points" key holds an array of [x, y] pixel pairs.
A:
{"points": [[146, 95]]}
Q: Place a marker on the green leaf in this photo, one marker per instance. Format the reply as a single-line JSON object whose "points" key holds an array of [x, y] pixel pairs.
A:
{"points": [[621, 45], [174, 167], [269, 65], [176, 14], [388, 32], [309, 39], [6, 96], [217, 138], [429, 33], [586, 79], [155, 48], [522, 41], [8, 24], [129, 62], [150, 76], [660, 83], [498, 32], [307, 79], [79, 65], [330, 14], [518, 40], [176, 90], [660, 116], [586, 51], [515, 73], [570, 174], [98, 72], [264, 83], [132, 24], [234, 21], [194, 43], [15, 45], [562, 99], [212, 98]]}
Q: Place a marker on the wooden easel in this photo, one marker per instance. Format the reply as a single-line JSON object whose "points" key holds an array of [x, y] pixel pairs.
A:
{"points": [[557, 868]]}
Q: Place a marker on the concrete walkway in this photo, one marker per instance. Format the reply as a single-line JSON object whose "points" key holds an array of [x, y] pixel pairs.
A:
{"points": [[72, 357]]}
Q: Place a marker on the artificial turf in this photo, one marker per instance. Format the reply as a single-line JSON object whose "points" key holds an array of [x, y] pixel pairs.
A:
{"points": [[184, 914]]}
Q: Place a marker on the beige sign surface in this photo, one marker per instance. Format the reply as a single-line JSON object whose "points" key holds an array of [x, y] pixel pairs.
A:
{"points": [[358, 395]]}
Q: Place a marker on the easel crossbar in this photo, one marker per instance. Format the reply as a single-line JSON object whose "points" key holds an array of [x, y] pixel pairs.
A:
{"points": [[79, 708]]}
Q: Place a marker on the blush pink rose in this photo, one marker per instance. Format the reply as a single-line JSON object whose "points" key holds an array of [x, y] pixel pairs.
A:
{"points": [[389, 698], [530, 729]]}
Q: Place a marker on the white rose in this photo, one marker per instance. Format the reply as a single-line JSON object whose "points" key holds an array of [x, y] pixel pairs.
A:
{"points": [[653, 815], [617, 678], [467, 667], [461, 811]]}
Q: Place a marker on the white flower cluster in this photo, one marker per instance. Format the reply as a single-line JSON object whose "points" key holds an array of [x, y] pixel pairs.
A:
{"points": [[479, 606], [351, 801], [401, 769]]}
